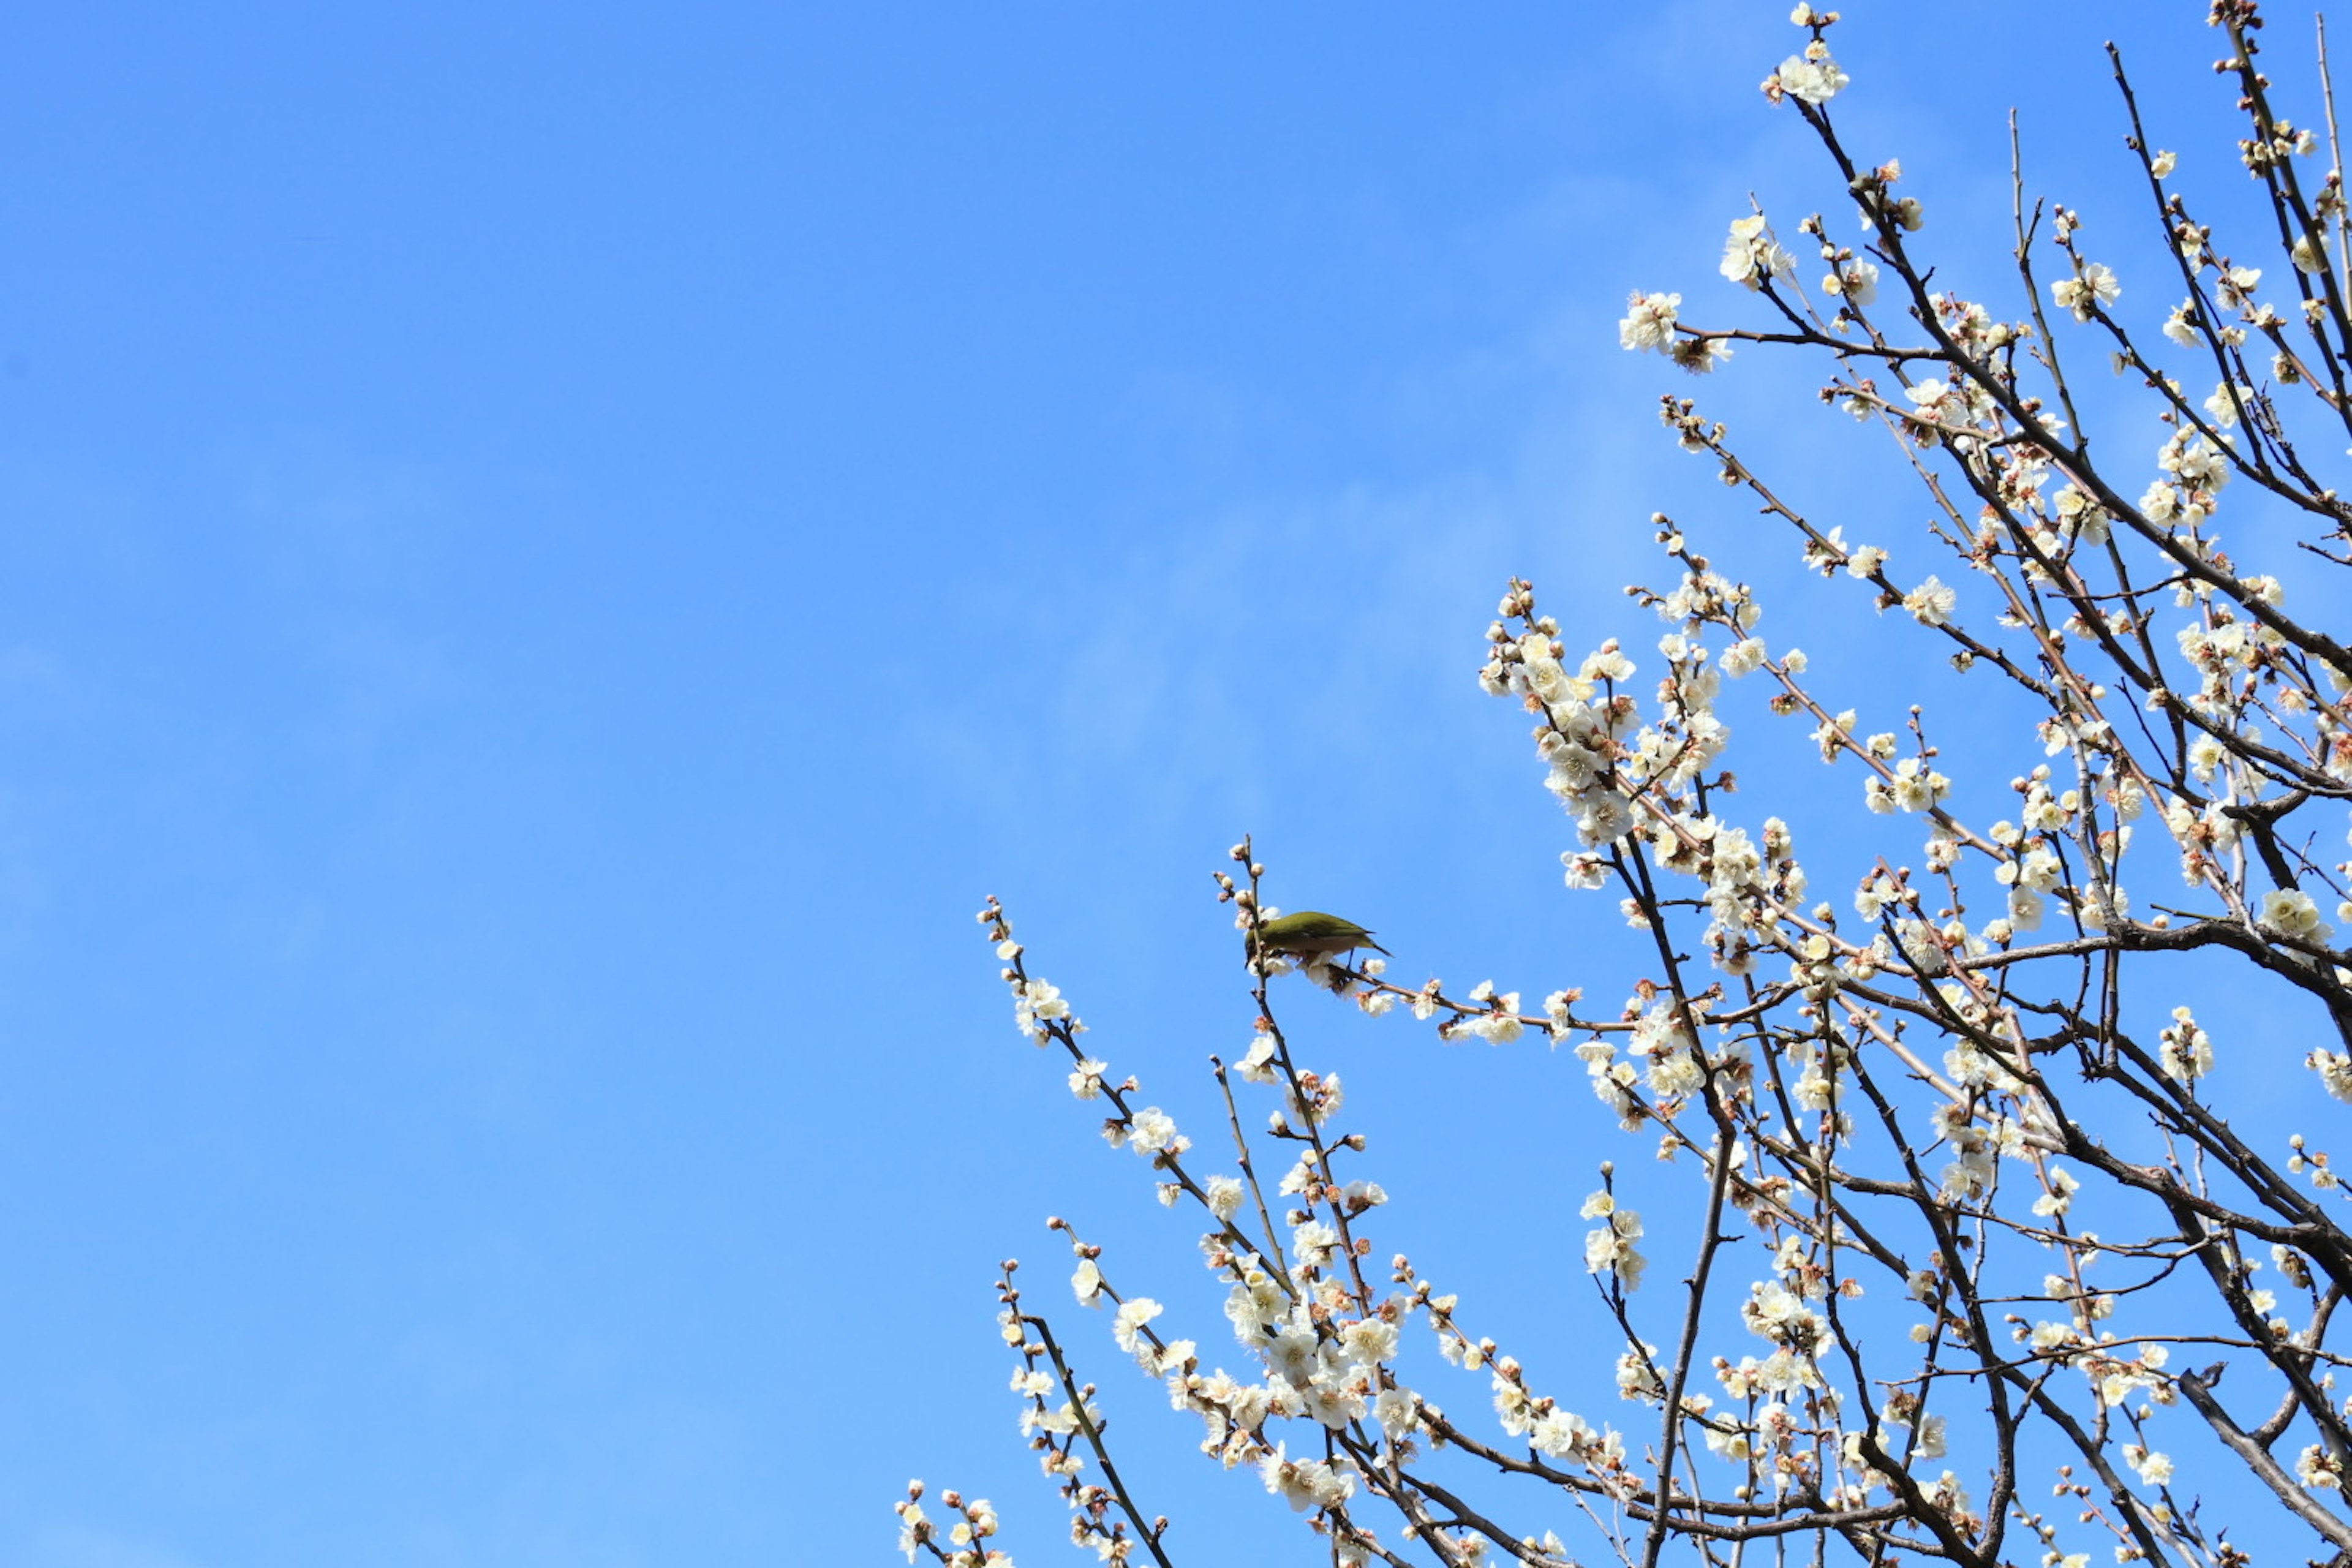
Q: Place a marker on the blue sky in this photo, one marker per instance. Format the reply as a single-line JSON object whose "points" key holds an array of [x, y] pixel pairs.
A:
{"points": [[555, 553]]}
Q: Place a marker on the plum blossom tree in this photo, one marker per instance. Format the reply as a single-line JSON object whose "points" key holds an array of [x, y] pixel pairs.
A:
{"points": [[1990, 1256]]}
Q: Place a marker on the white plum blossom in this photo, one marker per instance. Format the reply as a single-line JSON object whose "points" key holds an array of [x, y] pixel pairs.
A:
{"points": [[1855, 282], [1751, 256], [1931, 602], [1585, 871], [1637, 1374], [1934, 399], [1559, 1434], [1367, 1342], [1648, 322], [914, 1528], [1036, 1005], [2224, 405], [2294, 914], [2083, 294], [1225, 1197], [2059, 1197], [2187, 1054], [1913, 788], [1743, 658], [2318, 1470], [1699, 354], [1150, 1132], [2334, 1071], [1306, 1484], [1257, 1064], [1609, 1247], [1812, 76], [1606, 819], [1397, 1411], [1126, 1324]]}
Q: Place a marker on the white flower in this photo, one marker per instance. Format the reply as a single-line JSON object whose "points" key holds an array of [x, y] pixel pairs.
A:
{"points": [[1815, 80], [2315, 1468], [1306, 1483], [980, 1520], [1585, 871], [1698, 355], [2294, 912], [1257, 1065], [1637, 1375], [2188, 1052], [1608, 1249], [1126, 1324], [1315, 1242], [1225, 1197], [2061, 1196], [1397, 1411], [2096, 286], [1931, 601], [2223, 406], [1607, 662], [1606, 819], [1743, 658], [1856, 282], [1512, 1405], [1152, 1131], [1295, 1355], [1559, 1434], [1928, 397], [1254, 1306], [1366, 1341], [914, 1528], [1497, 1028], [2162, 164], [1036, 1004], [1750, 255], [1648, 322]]}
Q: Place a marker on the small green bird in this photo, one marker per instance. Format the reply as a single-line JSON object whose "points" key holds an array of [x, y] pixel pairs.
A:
{"points": [[1310, 933]]}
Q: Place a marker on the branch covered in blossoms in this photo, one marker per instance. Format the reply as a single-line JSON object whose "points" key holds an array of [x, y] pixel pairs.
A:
{"points": [[1987, 1195]]}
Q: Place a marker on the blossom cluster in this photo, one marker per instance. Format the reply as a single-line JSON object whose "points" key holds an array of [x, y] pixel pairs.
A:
{"points": [[1920, 1086]]}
